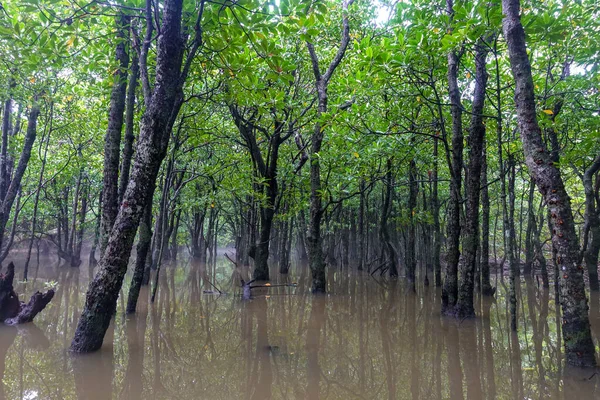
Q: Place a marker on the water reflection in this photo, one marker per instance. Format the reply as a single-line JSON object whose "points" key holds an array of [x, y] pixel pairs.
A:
{"points": [[366, 339]]}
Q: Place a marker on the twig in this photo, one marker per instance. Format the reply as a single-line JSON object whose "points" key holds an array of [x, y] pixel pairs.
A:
{"points": [[233, 262]]}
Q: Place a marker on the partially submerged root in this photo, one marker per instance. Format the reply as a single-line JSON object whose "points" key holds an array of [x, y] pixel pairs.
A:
{"points": [[13, 311]]}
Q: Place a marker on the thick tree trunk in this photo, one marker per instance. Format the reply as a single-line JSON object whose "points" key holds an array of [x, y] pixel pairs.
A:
{"points": [[579, 347], [464, 305], [155, 127], [112, 141]]}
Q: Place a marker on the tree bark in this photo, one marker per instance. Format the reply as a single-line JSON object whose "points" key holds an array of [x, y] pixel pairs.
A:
{"points": [[314, 240], [15, 183], [464, 305], [156, 124], [112, 140], [592, 223], [450, 289], [129, 122], [14, 312], [411, 261], [437, 237], [579, 347], [387, 248], [529, 241], [484, 264]]}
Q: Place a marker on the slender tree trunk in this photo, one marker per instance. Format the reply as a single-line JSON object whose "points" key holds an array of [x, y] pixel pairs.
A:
{"points": [[592, 223], [464, 305], [577, 339], [450, 289], [361, 227], [529, 241], [37, 198], [437, 237], [4, 177], [314, 240], [387, 248], [92, 259], [486, 287], [411, 261], [129, 126], [15, 183], [141, 261], [112, 141]]}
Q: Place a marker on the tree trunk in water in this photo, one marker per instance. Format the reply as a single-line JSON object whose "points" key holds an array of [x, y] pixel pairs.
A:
{"points": [[155, 127], [301, 238], [387, 250], [437, 237], [486, 287], [140, 276], [15, 183], [450, 289], [579, 347], [37, 199], [361, 227], [411, 262], [529, 245], [592, 223], [464, 305], [112, 142], [314, 240]]}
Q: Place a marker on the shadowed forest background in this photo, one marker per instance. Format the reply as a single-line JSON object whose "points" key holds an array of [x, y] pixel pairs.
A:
{"points": [[299, 199]]}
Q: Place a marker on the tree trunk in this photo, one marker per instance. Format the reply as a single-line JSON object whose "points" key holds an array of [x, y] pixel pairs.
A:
{"points": [[129, 123], [361, 227], [15, 183], [141, 260], [156, 124], [464, 305], [450, 289], [411, 261], [437, 237], [314, 240], [112, 141], [592, 223], [529, 241], [484, 254], [579, 347]]}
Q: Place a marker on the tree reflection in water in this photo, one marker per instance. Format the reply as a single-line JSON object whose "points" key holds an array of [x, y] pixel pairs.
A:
{"points": [[366, 339]]}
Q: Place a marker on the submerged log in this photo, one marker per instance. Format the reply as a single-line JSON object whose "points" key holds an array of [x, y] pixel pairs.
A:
{"points": [[13, 311]]}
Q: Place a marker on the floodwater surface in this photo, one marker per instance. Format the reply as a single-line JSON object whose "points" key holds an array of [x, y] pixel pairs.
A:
{"points": [[367, 339]]}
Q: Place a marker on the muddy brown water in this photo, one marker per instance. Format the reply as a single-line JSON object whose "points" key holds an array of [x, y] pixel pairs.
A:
{"points": [[367, 339]]}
